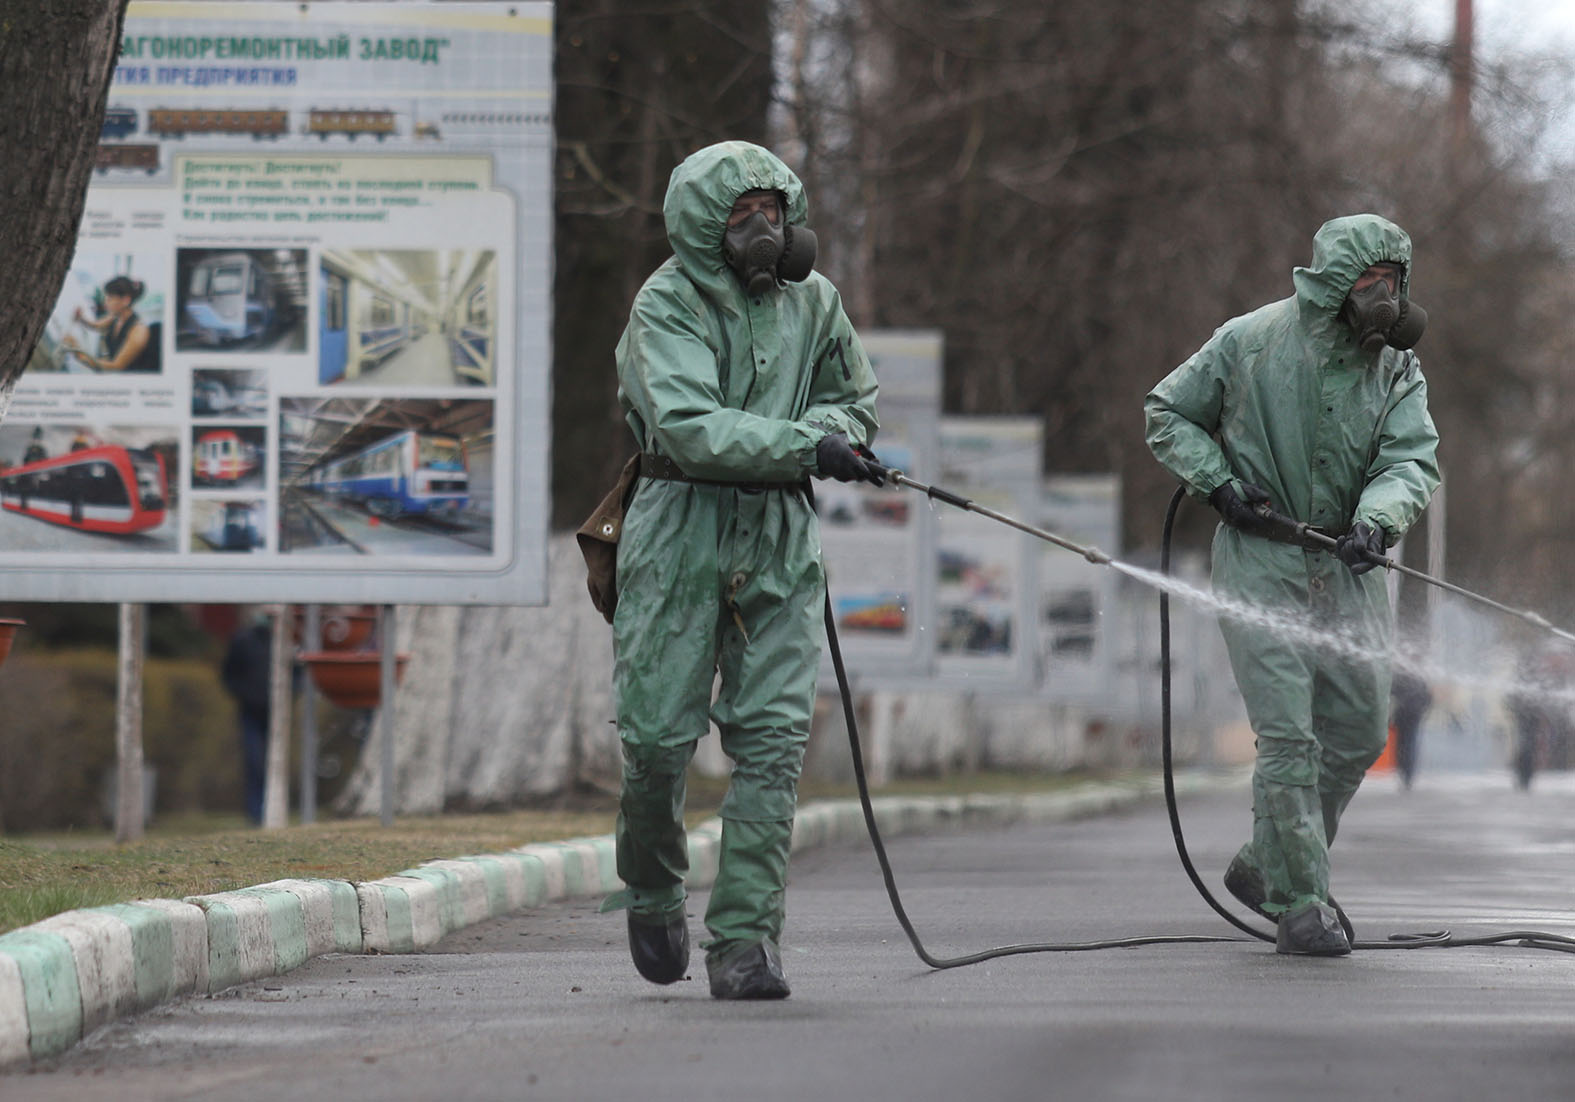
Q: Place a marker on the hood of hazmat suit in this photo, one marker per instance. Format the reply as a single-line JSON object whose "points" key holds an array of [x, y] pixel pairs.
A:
{"points": [[1285, 398], [724, 575]]}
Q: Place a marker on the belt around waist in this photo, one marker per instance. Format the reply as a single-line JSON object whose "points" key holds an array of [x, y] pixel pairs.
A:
{"points": [[661, 467]]}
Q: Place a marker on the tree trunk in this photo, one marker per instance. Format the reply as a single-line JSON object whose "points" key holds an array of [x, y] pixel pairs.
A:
{"points": [[56, 62]]}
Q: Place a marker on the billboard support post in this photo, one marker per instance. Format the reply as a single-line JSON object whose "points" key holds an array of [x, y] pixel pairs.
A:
{"points": [[276, 778], [386, 636], [311, 640], [129, 818]]}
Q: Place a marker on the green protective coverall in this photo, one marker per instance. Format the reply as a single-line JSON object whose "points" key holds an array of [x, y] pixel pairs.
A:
{"points": [[722, 578], [1286, 399]]}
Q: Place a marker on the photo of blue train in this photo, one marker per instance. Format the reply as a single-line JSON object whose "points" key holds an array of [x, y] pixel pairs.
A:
{"points": [[228, 525], [250, 299], [410, 473], [408, 317], [386, 476], [118, 122]]}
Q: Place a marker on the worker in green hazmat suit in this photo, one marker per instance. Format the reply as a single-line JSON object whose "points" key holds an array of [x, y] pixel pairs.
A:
{"points": [[740, 376], [1313, 407]]}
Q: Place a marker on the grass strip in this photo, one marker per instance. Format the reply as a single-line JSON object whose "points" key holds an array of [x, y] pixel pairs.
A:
{"points": [[181, 855]]}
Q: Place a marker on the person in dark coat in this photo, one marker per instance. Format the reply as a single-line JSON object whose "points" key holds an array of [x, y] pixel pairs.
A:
{"points": [[1410, 699], [246, 676]]}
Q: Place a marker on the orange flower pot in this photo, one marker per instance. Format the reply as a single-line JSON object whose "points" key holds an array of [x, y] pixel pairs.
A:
{"points": [[7, 633], [352, 679], [348, 632], [343, 629]]}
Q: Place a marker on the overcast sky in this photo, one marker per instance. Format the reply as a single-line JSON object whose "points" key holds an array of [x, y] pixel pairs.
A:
{"points": [[1503, 25], [1542, 28]]}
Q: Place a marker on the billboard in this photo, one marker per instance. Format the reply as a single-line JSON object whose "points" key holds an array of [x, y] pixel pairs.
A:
{"points": [[985, 573], [302, 353], [878, 543]]}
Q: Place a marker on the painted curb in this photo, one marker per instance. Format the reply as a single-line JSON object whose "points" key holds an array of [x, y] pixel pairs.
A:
{"points": [[65, 976], [271, 928]]}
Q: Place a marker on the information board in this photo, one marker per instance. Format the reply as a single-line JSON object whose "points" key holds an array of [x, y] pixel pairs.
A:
{"points": [[303, 350], [986, 579], [879, 542], [1076, 598]]}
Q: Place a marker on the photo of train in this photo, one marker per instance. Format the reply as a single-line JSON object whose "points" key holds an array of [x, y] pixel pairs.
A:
{"points": [[352, 124], [241, 298], [386, 476], [134, 155], [229, 392], [166, 123], [118, 122], [231, 456], [408, 317], [228, 525], [106, 488], [404, 474]]}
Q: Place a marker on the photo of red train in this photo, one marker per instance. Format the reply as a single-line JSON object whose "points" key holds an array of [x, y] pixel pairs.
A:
{"points": [[228, 456], [108, 488]]}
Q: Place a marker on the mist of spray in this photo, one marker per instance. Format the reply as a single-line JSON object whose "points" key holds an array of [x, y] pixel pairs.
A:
{"points": [[1326, 639]]}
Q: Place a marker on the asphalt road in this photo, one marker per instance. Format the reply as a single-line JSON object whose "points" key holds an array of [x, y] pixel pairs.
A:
{"points": [[545, 1005]]}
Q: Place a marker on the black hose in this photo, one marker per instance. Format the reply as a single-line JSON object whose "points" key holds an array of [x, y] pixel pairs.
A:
{"points": [[885, 863], [1441, 939], [1164, 732]]}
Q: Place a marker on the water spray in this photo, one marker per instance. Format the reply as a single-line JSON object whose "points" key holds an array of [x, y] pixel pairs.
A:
{"points": [[1283, 529], [1289, 530], [1286, 530]]}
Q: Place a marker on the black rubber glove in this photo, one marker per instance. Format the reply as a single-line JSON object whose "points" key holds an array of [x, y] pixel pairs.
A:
{"points": [[1239, 509], [1361, 548], [836, 459]]}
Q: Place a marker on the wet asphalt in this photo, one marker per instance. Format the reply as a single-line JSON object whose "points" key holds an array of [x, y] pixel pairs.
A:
{"points": [[544, 1004]]}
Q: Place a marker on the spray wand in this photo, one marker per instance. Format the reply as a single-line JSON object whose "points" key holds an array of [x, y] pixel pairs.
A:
{"points": [[936, 493], [1290, 530], [1436, 939], [1281, 528]]}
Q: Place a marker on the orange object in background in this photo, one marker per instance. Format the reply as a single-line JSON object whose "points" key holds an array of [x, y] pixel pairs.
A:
{"points": [[1386, 760], [7, 634]]}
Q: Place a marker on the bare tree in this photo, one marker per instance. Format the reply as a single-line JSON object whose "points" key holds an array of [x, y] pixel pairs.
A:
{"points": [[56, 63], [637, 91], [1078, 193]]}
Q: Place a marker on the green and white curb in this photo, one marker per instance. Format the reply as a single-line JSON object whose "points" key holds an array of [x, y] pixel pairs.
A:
{"points": [[272, 928], [66, 976]]}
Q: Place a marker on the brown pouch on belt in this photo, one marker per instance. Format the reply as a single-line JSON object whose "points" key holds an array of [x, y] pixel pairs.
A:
{"points": [[598, 540]]}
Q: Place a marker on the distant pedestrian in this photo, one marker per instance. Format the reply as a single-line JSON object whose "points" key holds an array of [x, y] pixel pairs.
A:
{"points": [[247, 667], [1410, 698], [1541, 710]]}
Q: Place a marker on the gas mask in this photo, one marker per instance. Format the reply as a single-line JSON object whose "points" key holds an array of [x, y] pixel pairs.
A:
{"points": [[762, 254], [1378, 317]]}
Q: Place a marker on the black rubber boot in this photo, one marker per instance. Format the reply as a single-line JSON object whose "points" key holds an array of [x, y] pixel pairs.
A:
{"points": [[660, 949], [1243, 882], [751, 972], [1313, 931]]}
